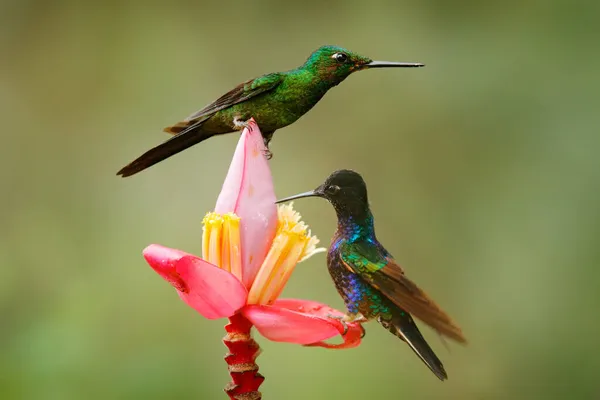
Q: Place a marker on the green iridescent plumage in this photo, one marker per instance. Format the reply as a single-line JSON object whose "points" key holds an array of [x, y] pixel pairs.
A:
{"points": [[367, 277], [274, 100]]}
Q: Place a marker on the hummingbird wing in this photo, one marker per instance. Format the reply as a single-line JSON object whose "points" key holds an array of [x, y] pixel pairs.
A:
{"points": [[240, 93], [188, 132], [378, 268]]}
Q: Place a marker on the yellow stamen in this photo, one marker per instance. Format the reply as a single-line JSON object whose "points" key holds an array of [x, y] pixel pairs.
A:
{"points": [[293, 243], [211, 238], [221, 242], [231, 249]]}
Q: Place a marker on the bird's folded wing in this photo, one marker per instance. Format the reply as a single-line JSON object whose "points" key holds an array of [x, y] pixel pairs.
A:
{"points": [[375, 266], [242, 92]]}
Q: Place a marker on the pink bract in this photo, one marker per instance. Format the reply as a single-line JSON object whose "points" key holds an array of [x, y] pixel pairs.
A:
{"points": [[213, 292], [249, 193], [302, 321]]}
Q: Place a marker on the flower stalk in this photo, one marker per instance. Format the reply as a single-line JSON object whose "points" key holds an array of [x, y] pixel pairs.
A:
{"points": [[241, 360]]}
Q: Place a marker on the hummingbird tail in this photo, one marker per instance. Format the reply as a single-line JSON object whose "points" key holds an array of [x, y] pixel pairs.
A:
{"points": [[181, 141], [402, 325]]}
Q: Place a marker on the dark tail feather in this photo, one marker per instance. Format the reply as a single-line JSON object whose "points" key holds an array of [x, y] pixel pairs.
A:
{"points": [[174, 145], [403, 326]]}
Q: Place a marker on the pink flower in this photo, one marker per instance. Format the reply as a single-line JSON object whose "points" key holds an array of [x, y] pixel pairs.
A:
{"points": [[250, 247]]}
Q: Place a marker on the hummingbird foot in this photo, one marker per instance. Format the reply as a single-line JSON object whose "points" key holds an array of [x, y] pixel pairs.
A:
{"points": [[267, 136], [354, 317], [239, 124], [349, 318], [268, 154]]}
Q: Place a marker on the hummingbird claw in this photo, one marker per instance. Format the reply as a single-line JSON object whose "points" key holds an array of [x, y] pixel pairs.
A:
{"points": [[345, 327], [349, 318], [268, 154], [267, 136], [341, 319]]}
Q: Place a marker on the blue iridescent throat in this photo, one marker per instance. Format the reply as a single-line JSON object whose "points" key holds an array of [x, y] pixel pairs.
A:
{"points": [[354, 229]]}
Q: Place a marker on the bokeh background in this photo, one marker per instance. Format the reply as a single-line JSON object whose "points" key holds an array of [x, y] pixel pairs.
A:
{"points": [[482, 170]]}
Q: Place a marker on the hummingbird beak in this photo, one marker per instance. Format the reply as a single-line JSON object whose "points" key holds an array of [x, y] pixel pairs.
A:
{"points": [[312, 193], [391, 64]]}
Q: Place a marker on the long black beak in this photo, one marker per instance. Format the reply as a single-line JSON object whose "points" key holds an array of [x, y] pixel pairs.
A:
{"points": [[312, 193], [391, 64]]}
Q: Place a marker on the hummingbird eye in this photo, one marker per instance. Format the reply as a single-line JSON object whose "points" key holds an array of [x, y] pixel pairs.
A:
{"points": [[332, 190], [340, 57]]}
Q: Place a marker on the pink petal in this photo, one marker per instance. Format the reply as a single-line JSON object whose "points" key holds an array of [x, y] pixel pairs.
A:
{"points": [[351, 339], [211, 291], [301, 321], [248, 192], [162, 260]]}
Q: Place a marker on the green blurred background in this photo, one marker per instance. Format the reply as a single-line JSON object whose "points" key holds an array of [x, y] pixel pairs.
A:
{"points": [[482, 169]]}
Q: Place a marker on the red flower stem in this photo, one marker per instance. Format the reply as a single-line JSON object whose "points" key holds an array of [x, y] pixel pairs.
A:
{"points": [[240, 360]]}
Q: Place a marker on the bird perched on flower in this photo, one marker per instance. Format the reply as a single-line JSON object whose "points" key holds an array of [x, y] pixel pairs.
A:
{"points": [[274, 100], [371, 282]]}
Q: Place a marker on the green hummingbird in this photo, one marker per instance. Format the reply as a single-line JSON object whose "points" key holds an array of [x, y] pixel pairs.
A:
{"points": [[274, 100], [371, 282]]}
